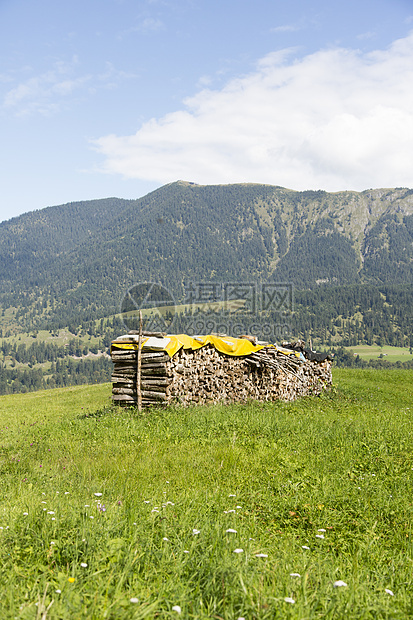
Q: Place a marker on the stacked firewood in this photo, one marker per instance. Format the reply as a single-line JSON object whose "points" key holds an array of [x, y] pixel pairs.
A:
{"points": [[207, 376]]}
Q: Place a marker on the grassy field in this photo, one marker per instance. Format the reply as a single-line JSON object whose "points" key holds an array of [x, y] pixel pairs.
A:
{"points": [[391, 354], [298, 510]]}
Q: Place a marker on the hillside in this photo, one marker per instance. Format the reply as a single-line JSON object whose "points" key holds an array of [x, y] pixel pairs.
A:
{"points": [[84, 255]]}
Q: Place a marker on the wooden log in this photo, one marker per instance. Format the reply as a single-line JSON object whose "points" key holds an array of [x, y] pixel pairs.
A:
{"points": [[121, 379], [123, 390], [161, 381], [153, 395], [139, 364]]}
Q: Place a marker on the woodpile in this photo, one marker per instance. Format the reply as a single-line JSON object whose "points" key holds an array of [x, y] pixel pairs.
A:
{"points": [[205, 375]]}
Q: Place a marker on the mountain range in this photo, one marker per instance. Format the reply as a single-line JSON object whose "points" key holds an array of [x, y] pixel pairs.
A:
{"points": [[80, 258]]}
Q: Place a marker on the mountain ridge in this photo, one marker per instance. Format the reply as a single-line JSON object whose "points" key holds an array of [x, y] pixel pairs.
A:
{"points": [[84, 255]]}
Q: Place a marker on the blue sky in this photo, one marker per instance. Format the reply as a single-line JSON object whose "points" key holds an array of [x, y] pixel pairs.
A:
{"points": [[117, 97]]}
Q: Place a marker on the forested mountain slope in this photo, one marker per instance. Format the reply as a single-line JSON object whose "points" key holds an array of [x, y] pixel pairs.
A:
{"points": [[80, 258]]}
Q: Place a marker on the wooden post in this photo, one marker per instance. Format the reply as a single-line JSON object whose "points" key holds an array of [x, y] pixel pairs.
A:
{"points": [[139, 362]]}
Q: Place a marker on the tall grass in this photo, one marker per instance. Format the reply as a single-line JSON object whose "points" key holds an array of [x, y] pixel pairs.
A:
{"points": [[108, 514]]}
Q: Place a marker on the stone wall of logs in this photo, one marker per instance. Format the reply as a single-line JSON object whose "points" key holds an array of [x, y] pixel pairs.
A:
{"points": [[208, 376]]}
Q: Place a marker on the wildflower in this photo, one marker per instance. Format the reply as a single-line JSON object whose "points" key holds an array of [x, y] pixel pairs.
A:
{"points": [[339, 584], [233, 495], [154, 510], [170, 504], [288, 599], [83, 564], [185, 551], [146, 501], [71, 580], [177, 609], [166, 539], [195, 532], [91, 517], [66, 492], [238, 507], [98, 494], [305, 547], [230, 531], [134, 600], [25, 514], [58, 591], [102, 507], [389, 592], [238, 550], [319, 535], [261, 555], [295, 575], [50, 512], [321, 530]]}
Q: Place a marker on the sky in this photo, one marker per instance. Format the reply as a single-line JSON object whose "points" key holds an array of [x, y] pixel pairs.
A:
{"points": [[102, 98]]}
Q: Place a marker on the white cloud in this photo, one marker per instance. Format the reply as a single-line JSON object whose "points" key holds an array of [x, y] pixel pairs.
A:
{"points": [[43, 93], [46, 93], [285, 28], [336, 119]]}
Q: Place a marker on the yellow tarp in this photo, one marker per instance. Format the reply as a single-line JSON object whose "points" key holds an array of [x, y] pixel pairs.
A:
{"points": [[172, 343]]}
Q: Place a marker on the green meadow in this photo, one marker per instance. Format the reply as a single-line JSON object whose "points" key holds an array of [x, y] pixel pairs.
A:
{"points": [[374, 352], [260, 510]]}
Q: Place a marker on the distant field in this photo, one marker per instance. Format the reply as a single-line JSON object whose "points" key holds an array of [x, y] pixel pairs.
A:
{"points": [[258, 511], [391, 354]]}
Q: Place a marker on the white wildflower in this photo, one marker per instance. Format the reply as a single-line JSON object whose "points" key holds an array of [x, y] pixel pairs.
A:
{"points": [[195, 532], [177, 609], [83, 564], [288, 599], [389, 592], [238, 550], [295, 575], [261, 555], [134, 600], [230, 531], [340, 584]]}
